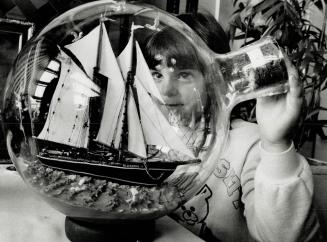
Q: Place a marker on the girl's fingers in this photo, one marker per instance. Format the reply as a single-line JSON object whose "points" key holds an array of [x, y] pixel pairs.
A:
{"points": [[296, 89]]}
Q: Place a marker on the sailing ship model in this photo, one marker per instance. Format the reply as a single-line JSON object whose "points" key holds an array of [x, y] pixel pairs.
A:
{"points": [[115, 145]]}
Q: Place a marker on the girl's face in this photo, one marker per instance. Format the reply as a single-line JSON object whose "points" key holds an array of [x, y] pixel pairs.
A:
{"points": [[183, 92]]}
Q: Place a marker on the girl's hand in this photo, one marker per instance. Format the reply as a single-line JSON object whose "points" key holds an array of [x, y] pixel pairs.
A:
{"points": [[277, 115]]}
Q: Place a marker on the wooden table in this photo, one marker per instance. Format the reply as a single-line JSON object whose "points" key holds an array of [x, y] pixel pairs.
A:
{"points": [[25, 217]]}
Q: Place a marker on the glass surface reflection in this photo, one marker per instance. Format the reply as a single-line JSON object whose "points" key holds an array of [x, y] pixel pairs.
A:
{"points": [[98, 130]]}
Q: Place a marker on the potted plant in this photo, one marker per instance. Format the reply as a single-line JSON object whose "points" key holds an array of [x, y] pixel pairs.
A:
{"points": [[287, 21]]}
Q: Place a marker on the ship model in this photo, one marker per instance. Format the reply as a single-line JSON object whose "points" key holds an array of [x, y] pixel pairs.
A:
{"points": [[121, 141]]}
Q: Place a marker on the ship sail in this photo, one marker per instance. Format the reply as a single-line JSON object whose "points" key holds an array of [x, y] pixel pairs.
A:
{"points": [[136, 142], [70, 106], [70, 103], [86, 51], [125, 58], [111, 123], [156, 128], [143, 74]]}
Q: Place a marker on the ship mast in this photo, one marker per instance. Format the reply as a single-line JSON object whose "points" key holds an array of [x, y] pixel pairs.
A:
{"points": [[128, 86], [130, 96], [97, 104], [124, 135], [96, 68]]}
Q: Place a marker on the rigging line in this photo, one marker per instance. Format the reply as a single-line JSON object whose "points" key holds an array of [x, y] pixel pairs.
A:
{"points": [[119, 116], [148, 172], [197, 133], [73, 58], [185, 134], [118, 109], [155, 126], [150, 155], [78, 121], [74, 125], [135, 97], [181, 140], [85, 121]]}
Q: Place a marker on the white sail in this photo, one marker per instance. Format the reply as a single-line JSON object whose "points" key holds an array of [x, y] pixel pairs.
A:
{"points": [[86, 50], [136, 143], [111, 123], [68, 118], [156, 128], [143, 74], [125, 57]]}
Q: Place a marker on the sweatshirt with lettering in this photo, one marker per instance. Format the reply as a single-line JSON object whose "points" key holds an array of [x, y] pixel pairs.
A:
{"points": [[253, 195]]}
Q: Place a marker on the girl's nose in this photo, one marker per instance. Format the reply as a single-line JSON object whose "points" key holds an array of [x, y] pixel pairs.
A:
{"points": [[168, 87]]}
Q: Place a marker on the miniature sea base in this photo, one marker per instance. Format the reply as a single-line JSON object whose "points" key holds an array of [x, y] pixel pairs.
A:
{"points": [[105, 198]]}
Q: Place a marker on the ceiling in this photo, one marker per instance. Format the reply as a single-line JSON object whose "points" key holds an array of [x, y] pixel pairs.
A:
{"points": [[39, 12]]}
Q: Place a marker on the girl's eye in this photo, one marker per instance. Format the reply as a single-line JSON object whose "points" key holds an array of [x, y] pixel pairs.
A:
{"points": [[156, 75], [184, 76]]}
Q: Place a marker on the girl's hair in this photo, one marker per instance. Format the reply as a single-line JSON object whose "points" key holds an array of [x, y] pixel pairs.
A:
{"points": [[172, 48], [210, 31], [208, 28]]}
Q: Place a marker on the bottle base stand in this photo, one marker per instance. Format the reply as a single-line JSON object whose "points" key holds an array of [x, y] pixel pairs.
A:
{"points": [[83, 230]]}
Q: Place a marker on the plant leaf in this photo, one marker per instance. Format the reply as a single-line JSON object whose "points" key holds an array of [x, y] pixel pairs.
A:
{"points": [[258, 20]]}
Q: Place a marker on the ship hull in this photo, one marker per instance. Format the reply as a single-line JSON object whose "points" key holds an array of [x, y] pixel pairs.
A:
{"points": [[131, 173]]}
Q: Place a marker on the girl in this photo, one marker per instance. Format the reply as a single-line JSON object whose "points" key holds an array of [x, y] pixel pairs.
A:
{"points": [[261, 188]]}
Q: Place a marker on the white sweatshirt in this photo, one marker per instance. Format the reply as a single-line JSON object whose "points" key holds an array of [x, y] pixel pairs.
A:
{"points": [[253, 195]]}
